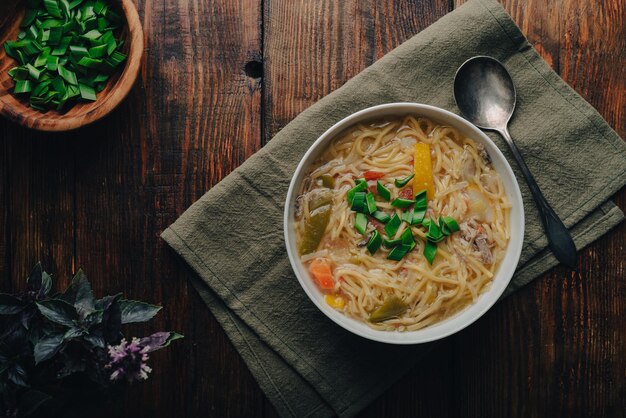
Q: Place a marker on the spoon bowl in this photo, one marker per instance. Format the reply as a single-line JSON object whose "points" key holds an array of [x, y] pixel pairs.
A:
{"points": [[485, 94]]}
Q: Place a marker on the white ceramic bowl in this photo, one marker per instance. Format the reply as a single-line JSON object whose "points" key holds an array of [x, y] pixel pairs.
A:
{"points": [[463, 318]]}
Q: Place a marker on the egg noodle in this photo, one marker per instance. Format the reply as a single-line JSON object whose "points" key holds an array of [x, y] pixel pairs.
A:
{"points": [[466, 187]]}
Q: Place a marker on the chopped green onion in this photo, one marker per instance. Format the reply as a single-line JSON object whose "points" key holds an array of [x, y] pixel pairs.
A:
{"points": [[86, 92], [426, 223], [407, 237], [66, 50], [383, 192], [358, 202], [392, 226], [434, 233], [398, 252], [418, 216], [388, 243], [408, 216], [420, 200], [401, 203], [374, 242], [53, 8], [361, 185], [450, 223], [33, 72], [381, 216], [23, 86], [68, 75], [403, 182], [371, 202], [360, 224], [430, 250]]}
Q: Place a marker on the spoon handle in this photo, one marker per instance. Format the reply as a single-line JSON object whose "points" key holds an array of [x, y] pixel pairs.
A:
{"points": [[559, 237]]}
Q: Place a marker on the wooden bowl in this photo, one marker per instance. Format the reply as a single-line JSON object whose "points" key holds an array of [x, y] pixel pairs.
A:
{"points": [[82, 113]]}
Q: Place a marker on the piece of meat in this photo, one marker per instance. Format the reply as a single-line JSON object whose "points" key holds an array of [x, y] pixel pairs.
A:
{"points": [[473, 233]]}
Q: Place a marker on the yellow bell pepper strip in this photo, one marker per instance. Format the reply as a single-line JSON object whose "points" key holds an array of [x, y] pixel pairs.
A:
{"points": [[335, 301], [423, 168]]}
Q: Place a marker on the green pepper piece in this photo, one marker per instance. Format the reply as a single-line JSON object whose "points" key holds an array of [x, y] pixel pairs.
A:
{"points": [[314, 228], [319, 198], [328, 181], [393, 306]]}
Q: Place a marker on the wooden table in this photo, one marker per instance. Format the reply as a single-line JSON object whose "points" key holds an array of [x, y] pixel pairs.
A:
{"points": [[219, 79]]}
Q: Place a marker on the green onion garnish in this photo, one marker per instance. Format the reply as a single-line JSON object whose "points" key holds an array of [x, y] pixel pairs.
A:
{"points": [[430, 250], [361, 185], [418, 216], [388, 243], [66, 51], [407, 237], [358, 202], [392, 226], [420, 200], [434, 233], [401, 203], [403, 182], [398, 252], [370, 202], [374, 242], [360, 224], [450, 223], [383, 192], [407, 216], [381, 216]]}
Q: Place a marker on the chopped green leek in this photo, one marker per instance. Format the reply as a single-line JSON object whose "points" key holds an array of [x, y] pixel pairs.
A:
{"points": [[403, 182], [418, 216], [401, 203], [374, 242], [420, 200], [383, 192], [71, 42], [361, 185], [430, 250], [450, 223], [381, 216], [359, 202], [370, 202], [360, 223], [398, 252], [392, 226]]}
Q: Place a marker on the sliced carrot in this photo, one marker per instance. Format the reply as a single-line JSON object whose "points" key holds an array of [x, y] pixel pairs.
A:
{"points": [[321, 272], [423, 168]]}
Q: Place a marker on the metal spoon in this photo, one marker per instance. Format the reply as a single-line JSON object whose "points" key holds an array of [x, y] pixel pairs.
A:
{"points": [[485, 94]]}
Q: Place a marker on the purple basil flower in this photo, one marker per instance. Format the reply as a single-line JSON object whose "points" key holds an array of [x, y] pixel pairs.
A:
{"points": [[128, 360]]}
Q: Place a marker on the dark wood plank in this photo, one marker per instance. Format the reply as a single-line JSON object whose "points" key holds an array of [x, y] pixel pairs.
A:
{"points": [[192, 117], [312, 48], [38, 203]]}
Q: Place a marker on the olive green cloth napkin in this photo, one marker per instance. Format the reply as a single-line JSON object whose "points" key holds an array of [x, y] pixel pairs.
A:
{"points": [[233, 236]]}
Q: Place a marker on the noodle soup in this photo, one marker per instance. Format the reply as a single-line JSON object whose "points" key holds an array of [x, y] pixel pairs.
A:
{"points": [[402, 222]]}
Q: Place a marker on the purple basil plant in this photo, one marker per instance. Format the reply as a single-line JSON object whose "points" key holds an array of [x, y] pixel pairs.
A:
{"points": [[68, 343]]}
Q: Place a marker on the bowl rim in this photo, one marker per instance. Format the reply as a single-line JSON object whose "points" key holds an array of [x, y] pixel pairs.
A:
{"points": [[43, 121], [461, 319]]}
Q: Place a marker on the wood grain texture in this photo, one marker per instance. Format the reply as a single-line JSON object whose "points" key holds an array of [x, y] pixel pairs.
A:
{"points": [[116, 89], [218, 79]]}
